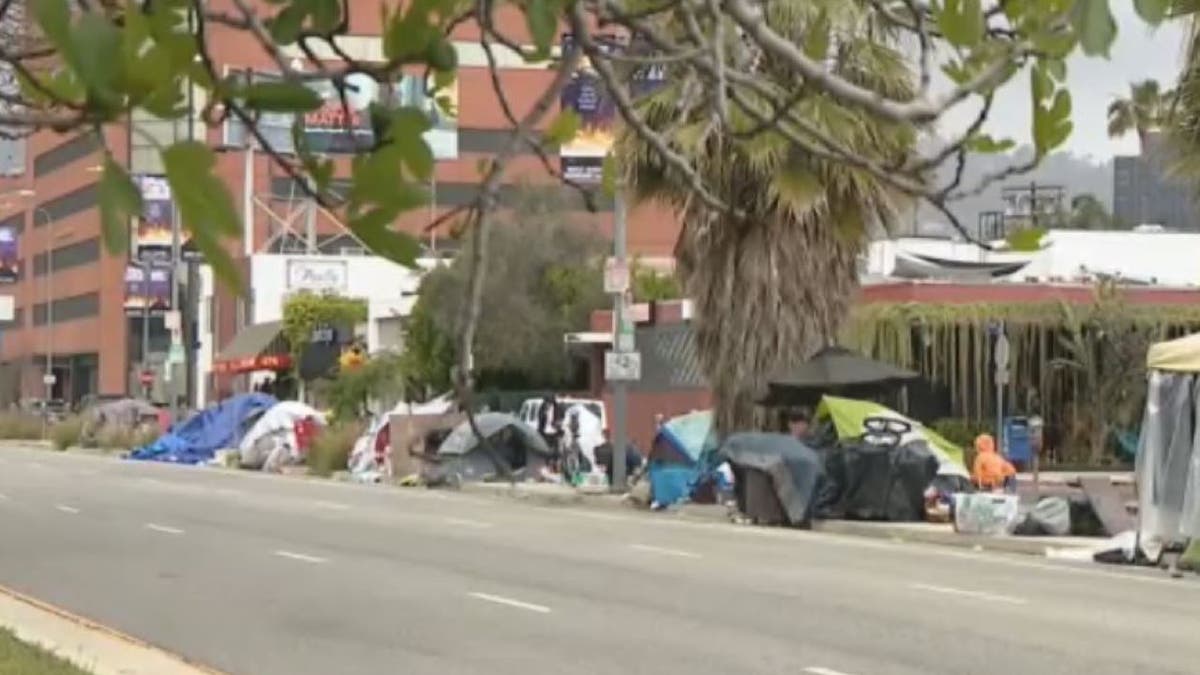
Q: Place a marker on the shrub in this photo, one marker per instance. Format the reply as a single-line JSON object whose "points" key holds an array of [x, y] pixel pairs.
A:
{"points": [[67, 432], [21, 426], [331, 448], [117, 437]]}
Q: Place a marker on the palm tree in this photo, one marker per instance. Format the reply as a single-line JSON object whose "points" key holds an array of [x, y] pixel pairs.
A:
{"points": [[1144, 111], [771, 288], [1184, 118]]}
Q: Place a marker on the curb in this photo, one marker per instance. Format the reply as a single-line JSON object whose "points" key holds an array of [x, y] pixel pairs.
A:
{"points": [[1018, 545], [545, 495], [87, 644]]}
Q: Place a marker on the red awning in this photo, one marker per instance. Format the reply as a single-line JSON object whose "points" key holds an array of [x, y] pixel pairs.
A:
{"points": [[258, 347]]}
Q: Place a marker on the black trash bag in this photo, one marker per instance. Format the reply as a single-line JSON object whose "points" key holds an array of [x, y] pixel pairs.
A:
{"points": [[914, 467], [827, 504], [1050, 517]]}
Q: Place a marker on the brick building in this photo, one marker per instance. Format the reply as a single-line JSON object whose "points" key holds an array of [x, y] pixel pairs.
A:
{"points": [[69, 297]]}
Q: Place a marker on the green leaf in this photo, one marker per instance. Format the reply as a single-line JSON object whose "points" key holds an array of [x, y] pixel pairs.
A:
{"points": [[541, 17], [54, 18], [816, 37], [120, 202], [286, 26], [396, 246], [281, 97], [985, 144], [1152, 11], [204, 202], [1057, 69], [961, 22], [98, 44], [1094, 24], [564, 127], [1026, 240], [1042, 85]]}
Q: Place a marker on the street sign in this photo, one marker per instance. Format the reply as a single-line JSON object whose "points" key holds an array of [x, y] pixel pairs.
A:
{"points": [[1001, 376], [622, 366], [1002, 352], [616, 276], [146, 377], [49, 379]]}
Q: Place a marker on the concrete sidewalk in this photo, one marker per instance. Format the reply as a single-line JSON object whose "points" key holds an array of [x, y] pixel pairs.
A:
{"points": [[942, 534]]}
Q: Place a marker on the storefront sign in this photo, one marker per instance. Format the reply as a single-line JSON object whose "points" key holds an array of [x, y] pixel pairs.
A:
{"points": [[319, 276]]}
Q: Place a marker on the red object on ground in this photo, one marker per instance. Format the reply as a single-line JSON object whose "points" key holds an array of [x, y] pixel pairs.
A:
{"points": [[306, 430]]}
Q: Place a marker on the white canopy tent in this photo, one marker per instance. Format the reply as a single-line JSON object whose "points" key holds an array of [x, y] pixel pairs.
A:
{"points": [[1168, 456]]}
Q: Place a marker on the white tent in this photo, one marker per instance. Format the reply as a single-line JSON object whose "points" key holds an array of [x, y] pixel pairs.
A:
{"points": [[1168, 459], [271, 442]]}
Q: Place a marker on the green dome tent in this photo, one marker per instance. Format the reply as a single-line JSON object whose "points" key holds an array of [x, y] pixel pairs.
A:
{"points": [[848, 415]]}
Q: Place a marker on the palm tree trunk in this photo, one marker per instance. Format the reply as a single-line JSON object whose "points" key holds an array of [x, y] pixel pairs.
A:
{"points": [[767, 294]]}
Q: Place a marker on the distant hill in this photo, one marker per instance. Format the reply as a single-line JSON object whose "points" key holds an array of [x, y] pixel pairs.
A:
{"points": [[1077, 175]]}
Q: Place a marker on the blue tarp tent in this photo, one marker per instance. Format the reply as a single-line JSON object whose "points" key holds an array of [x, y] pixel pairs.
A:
{"points": [[198, 438], [678, 456]]}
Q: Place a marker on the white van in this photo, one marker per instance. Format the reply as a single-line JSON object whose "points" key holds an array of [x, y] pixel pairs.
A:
{"points": [[530, 407]]}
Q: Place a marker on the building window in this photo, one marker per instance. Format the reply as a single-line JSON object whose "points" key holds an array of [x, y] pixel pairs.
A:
{"points": [[65, 153], [69, 204], [68, 309], [72, 255]]}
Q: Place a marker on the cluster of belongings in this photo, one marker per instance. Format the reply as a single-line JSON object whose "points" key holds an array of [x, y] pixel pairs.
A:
{"points": [[280, 437], [509, 449], [129, 414], [370, 459], [862, 461], [198, 438]]}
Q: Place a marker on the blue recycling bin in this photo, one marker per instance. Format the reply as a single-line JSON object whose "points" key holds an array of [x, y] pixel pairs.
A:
{"points": [[1018, 445]]}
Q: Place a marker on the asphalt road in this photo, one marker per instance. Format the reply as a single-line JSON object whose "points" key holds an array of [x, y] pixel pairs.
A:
{"points": [[259, 575]]}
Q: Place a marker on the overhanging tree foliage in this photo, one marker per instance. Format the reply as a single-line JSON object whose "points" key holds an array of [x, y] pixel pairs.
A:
{"points": [[789, 84]]}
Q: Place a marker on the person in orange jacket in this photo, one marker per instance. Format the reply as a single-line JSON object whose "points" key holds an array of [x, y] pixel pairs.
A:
{"points": [[991, 470]]}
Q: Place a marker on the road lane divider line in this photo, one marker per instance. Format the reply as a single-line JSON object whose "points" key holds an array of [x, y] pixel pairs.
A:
{"points": [[316, 560], [332, 506], [674, 552], [510, 602], [467, 522], [4, 497], [165, 529], [967, 593], [821, 670], [66, 509]]}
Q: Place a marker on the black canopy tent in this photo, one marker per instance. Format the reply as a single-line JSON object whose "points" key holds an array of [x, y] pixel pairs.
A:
{"points": [[838, 371]]}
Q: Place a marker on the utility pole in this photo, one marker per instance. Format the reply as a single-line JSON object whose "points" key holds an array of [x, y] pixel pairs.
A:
{"points": [[623, 343]]}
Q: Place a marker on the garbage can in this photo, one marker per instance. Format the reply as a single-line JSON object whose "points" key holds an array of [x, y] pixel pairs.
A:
{"points": [[1017, 442]]}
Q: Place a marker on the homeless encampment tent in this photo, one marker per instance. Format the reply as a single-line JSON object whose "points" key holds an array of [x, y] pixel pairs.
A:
{"points": [[847, 417], [126, 414], [218, 426], [1168, 455], [272, 441], [370, 460], [675, 463], [509, 446], [776, 477]]}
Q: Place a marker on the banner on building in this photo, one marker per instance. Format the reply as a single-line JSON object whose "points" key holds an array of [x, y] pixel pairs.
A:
{"points": [[147, 290], [152, 232], [337, 128], [10, 262], [582, 158]]}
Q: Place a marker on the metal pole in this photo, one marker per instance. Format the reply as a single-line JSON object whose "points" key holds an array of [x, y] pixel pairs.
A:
{"points": [[47, 378], [619, 388], [146, 329]]}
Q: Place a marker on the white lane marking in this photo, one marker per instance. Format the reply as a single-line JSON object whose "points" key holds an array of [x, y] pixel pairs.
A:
{"points": [[66, 509], [332, 506], [467, 522], [501, 600], [301, 557], [974, 595], [165, 529], [3, 497], [820, 670], [664, 551]]}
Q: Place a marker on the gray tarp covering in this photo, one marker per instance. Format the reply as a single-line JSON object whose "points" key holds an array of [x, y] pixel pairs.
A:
{"points": [[794, 471], [1168, 464], [512, 445]]}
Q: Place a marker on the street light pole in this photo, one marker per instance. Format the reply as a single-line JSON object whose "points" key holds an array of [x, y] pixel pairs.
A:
{"points": [[48, 371]]}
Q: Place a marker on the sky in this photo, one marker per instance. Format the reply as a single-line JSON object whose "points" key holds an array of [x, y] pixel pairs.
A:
{"points": [[1140, 52]]}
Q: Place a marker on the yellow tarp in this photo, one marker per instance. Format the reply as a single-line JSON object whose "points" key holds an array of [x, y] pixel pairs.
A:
{"points": [[848, 414], [1181, 355]]}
